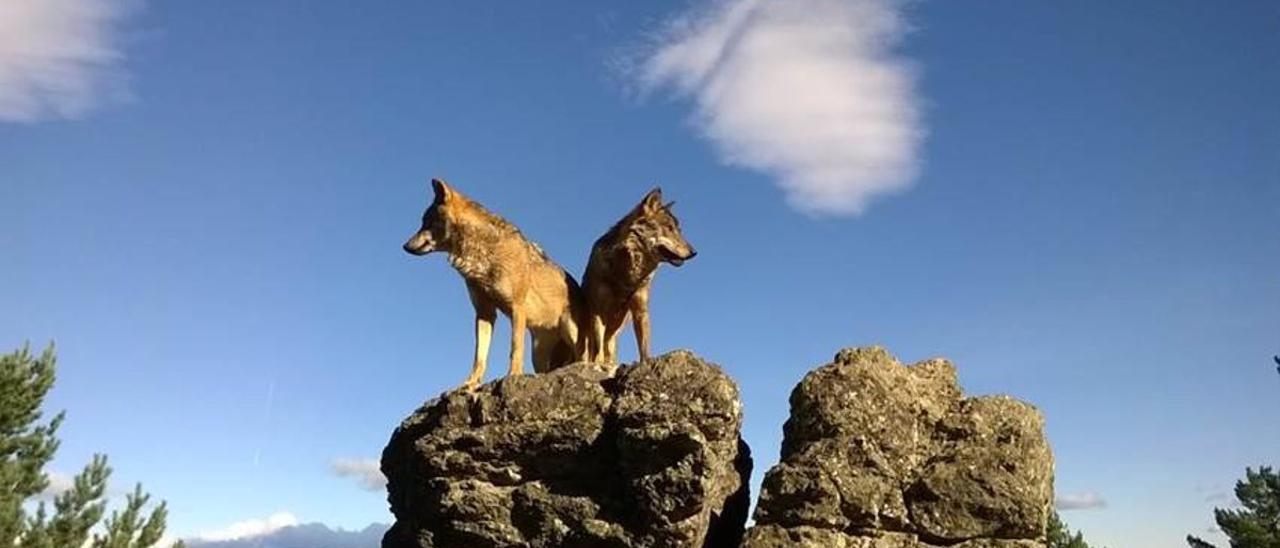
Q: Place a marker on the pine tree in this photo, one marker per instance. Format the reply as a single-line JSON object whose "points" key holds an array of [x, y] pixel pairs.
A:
{"points": [[1059, 536], [1256, 524], [27, 445]]}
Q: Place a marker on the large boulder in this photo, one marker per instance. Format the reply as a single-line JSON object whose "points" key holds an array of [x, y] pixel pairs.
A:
{"points": [[650, 456], [881, 455]]}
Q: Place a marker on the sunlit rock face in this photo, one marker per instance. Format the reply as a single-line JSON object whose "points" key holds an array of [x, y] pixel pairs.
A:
{"points": [[649, 456], [878, 454]]}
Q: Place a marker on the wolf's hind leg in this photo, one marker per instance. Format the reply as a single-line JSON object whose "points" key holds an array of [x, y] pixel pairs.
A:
{"points": [[575, 338]]}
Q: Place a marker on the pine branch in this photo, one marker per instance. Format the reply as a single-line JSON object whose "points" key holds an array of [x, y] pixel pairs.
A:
{"points": [[79, 508], [1197, 543]]}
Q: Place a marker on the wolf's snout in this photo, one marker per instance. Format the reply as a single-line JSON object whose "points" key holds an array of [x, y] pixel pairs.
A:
{"points": [[692, 253], [416, 245]]}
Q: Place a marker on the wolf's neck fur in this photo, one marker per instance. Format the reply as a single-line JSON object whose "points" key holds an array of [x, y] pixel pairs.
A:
{"points": [[630, 259], [476, 238]]}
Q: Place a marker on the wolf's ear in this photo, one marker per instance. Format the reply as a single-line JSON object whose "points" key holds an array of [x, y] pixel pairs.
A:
{"points": [[653, 200], [443, 191]]}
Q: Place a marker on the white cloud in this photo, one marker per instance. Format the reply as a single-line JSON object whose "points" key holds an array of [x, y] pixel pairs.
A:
{"points": [[59, 483], [58, 58], [807, 91], [251, 528], [366, 472], [1080, 501]]}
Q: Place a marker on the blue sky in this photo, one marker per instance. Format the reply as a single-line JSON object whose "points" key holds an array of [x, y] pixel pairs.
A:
{"points": [[1077, 203]]}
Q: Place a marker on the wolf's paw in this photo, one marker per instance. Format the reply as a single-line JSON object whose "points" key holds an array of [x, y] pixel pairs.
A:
{"points": [[469, 386]]}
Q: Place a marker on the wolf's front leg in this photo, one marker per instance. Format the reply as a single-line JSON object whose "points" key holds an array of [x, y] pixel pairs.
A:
{"points": [[486, 313], [595, 339], [612, 328], [639, 306], [484, 332], [517, 341]]}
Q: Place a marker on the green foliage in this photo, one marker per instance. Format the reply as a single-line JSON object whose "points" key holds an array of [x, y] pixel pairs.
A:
{"points": [[1059, 536], [127, 529], [27, 445], [1256, 523]]}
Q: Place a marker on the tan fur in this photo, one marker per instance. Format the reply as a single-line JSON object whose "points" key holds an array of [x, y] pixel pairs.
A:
{"points": [[504, 271], [621, 269]]}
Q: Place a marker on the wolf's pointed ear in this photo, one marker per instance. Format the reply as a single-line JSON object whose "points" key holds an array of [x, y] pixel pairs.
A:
{"points": [[443, 191], [653, 200]]}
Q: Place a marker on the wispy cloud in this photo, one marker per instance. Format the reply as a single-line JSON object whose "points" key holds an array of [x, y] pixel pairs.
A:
{"points": [[59, 58], [1221, 497], [1215, 493], [1080, 501], [810, 92], [366, 472], [250, 528]]}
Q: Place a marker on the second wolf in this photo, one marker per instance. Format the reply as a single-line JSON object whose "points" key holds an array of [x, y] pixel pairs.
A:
{"points": [[504, 271], [621, 269]]}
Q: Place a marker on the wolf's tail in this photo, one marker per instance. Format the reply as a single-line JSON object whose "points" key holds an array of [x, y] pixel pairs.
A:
{"points": [[564, 354]]}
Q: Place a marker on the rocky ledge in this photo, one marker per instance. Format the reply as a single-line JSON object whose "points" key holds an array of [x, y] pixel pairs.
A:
{"points": [[650, 456]]}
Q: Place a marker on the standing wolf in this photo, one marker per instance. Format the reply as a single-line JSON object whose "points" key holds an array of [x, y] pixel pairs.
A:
{"points": [[622, 265], [504, 271]]}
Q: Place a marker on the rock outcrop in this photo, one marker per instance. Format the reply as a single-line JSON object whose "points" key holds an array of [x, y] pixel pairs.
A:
{"points": [[648, 457], [879, 455], [875, 455]]}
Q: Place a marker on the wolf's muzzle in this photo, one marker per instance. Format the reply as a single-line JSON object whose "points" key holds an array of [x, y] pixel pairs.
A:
{"points": [[413, 249]]}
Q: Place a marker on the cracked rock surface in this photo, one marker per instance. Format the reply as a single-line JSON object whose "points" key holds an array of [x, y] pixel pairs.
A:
{"points": [[881, 455], [650, 456]]}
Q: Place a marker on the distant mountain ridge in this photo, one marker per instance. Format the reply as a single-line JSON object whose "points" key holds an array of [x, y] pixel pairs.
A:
{"points": [[305, 535]]}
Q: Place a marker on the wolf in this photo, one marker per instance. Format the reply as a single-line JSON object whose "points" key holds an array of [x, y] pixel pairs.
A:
{"points": [[504, 271], [621, 268]]}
